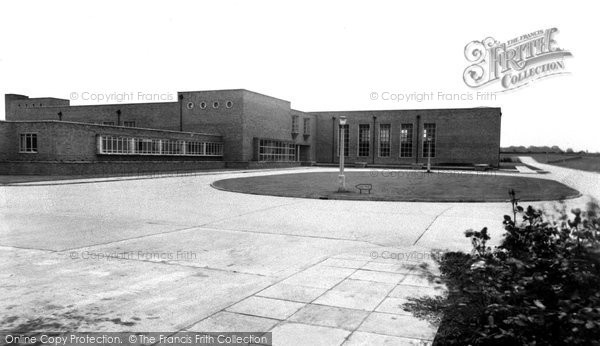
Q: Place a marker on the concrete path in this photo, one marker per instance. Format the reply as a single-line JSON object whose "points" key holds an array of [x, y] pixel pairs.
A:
{"points": [[174, 254]]}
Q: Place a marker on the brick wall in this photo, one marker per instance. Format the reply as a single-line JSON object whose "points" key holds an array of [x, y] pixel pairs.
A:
{"points": [[221, 119], [463, 136], [66, 141], [308, 142], [264, 117], [104, 167], [164, 116]]}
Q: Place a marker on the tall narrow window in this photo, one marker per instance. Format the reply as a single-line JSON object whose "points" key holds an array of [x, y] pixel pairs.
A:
{"points": [[295, 125], [406, 135], [428, 140], [28, 143], [346, 139], [364, 139], [306, 126], [384, 140]]}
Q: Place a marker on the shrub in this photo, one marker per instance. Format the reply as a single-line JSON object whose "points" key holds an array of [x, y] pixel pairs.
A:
{"points": [[541, 286]]}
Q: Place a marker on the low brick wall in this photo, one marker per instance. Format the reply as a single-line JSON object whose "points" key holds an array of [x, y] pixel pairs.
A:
{"points": [[260, 164], [103, 167]]}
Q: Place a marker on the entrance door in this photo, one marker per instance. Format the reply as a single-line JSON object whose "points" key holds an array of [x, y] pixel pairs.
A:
{"points": [[305, 153]]}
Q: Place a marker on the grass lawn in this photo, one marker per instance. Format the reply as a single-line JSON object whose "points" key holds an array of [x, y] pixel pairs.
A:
{"points": [[402, 186], [584, 162]]}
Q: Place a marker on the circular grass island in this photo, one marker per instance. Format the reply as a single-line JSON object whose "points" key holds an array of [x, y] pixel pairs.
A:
{"points": [[411, 186]]}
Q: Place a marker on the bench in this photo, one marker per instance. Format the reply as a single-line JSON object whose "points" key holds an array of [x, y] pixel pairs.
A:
{"points": [[416, 165], [360, 164], [482, 167], [364, 187]]}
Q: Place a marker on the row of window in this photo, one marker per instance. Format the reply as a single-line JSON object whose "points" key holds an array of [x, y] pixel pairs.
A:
{"points": [[125, 123], [30, 104], [215, 104], [296, 125], [271, 150], [147, 146], [385, 140]]}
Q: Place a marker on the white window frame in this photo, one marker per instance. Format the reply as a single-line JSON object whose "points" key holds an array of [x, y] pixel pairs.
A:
{"points": [[23, 148], [389, 126], [368, 141]]}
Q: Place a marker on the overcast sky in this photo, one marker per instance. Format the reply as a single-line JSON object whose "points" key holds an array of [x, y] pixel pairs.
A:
{"points": [[319, 55]]}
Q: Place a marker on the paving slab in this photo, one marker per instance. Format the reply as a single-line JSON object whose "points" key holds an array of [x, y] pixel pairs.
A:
{"points": [[329, 316], [302, 294], [266, 307], [299, 334], [398, 325], [355, 294], [393, 305], [368, 339], [345, 263], [325, 278], [369, 275], [228, 321]]}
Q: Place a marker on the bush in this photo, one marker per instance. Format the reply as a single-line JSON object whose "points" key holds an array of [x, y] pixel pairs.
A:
{"points": [[540, 287]]}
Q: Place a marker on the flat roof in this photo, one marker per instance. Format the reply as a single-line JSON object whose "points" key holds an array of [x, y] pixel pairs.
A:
{"points": [[406, 110]]}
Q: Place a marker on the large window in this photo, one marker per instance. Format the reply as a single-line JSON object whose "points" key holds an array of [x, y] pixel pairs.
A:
{"points": [[406, 142], [271, 150], [428, 140], [172, 147], [346, 139], [28, 143], [364, 139], [384, 139], [129, 123], [295, 123], [306, 126], [148, 146]]}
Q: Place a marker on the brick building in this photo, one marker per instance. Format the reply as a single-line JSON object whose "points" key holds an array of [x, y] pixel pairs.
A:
{"points": [[232, 128]]}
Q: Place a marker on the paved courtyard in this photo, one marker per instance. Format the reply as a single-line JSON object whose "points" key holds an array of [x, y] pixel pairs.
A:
{"points": [[174, 254]]}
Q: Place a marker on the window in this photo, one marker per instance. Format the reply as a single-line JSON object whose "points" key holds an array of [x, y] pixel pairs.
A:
{"points": [[213, 149], [428, 140], [384, 139], [28, 143], [215, 104], [172, 147], [111, 123], [346, 139], [271, 150], [306, 126], [190, 105], [295, 123], [406, 140], [202, 105], [229, 104], [147, 146], [129, 123], [364, 139]]}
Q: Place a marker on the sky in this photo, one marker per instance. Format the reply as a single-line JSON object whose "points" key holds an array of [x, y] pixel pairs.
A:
{"points": [[319, 55]]}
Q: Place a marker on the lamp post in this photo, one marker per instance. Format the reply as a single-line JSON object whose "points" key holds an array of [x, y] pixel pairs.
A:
{"points": [[428, 155], [341, 177], [180, 113]]}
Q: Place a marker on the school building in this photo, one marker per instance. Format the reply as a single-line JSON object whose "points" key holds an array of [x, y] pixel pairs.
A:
{"points": [[233, 129]]}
